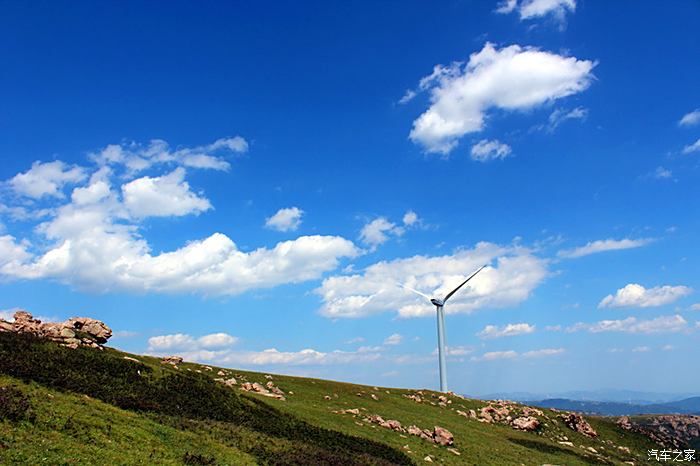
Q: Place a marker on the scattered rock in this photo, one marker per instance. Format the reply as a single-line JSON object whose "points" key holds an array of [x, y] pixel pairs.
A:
{"points": [[129, 358], [442, 436], [374, 397], [172, 360], [327, 398], [577, 423], [453, 450], [221, 373], [428, 459], [526, 423], [259, 389]]}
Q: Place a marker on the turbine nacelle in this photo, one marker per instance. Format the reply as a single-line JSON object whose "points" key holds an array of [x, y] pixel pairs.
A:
{"points": [[437, 302]]}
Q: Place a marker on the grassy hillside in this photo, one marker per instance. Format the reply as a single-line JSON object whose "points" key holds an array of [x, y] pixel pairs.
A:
{"points": [[84, 406]]}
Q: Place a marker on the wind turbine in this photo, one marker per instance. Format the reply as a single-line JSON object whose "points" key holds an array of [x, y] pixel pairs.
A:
{"points": [[440, 305]]}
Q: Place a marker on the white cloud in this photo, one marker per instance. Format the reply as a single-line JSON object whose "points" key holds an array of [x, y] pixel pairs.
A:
{"points": [[216, 340], [694, 147], [393, 339], [171, 342], [355, 340], [46, 179], [186, 343], [603, 245], [662, 324], [410, 218], [163, 196], [455, 351], [135, 157], [508, 330], [93, 242], [512, 78], [530, 9], [634, 295], [662, 173], [377, 232], [560, 115], [287, 219], [515, 273], [667, 348], [691, 118], [695, 307], [486, 150], [641, 349], [497, 355], [408, 96]]}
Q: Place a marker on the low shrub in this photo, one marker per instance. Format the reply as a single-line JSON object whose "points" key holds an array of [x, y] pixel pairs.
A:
{"points": [[14, 405]]}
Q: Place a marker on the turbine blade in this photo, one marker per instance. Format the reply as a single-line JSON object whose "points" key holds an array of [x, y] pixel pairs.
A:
{"points": [[462, 284], [414, 291]]}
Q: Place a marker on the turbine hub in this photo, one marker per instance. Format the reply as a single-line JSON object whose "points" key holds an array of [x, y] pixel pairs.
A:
{"points": [[437, 302]]}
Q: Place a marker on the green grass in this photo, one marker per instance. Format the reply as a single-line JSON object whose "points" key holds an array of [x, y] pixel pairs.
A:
{"points": [[93, 407]]}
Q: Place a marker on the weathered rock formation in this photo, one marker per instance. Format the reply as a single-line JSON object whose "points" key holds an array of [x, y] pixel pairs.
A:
{"points": [[271, 391], [576, 422], [74, 332], [673, 431]]}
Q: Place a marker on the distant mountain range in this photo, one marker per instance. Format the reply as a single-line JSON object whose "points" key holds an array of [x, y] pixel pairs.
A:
{"points": [[604, 395], [612, 408]]}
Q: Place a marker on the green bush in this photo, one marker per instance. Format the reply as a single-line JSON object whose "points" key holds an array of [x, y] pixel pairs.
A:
{"points": [[14, 405]]}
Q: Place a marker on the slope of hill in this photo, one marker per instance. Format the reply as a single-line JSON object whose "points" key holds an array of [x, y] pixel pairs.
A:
{"points": [[686, 406], [90, 406]]}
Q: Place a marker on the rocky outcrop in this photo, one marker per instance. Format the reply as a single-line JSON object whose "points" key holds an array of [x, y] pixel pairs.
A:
{"points": [[525, 423], [673, 431], [576, 422], [74, 332], [172, 360]]}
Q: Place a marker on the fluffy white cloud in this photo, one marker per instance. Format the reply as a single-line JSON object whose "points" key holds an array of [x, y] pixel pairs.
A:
{"points": [[393, 339], [662, 324], [274, 357], [515, 273], [287, 219], [512, 78], [495, 355], [46, 179], [187, 343], [163, 196], [376, 232], [135, 157], [530, 9], [508, 330], [691, 118], [603, 245], [634, 295], [93, 242], [485, 150], [410, 218], [694, 147]]}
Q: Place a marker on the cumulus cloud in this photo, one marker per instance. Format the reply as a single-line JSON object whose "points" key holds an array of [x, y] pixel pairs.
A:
{"points": [[393, 339], [376, 232], [163, 196], [531, 9], [135, 157], [485, 150], [46, 179], [93, 242], [508, 330], [603, 245], [690, 118], [410, 218], [510, 78], [187, 343], [662, 324], [515, 272], [287, 219], [690, 148], [634, 295]]}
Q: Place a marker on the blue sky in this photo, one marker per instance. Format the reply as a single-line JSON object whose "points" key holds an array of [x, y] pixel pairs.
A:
{"points": [[245, 185]]}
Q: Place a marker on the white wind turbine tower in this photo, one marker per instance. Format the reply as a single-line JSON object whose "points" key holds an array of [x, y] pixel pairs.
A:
{"points": [[440, 304]]}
